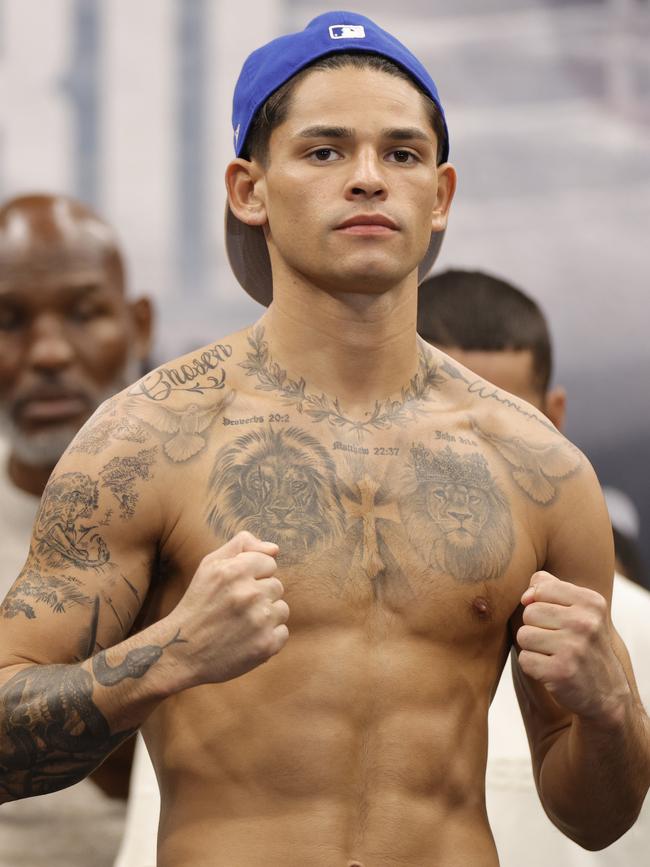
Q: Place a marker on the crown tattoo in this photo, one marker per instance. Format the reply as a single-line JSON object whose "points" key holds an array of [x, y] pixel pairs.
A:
{"points": [[445, 466]]}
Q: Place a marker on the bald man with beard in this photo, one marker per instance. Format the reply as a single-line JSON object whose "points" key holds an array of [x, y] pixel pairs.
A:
{"points": [[69, 339]]}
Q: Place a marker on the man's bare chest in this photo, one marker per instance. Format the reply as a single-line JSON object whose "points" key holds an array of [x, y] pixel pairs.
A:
{"points": [[407, 519]]}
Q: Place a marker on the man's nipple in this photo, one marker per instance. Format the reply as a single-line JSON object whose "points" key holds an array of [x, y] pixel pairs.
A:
{"points": [[481, 608]]}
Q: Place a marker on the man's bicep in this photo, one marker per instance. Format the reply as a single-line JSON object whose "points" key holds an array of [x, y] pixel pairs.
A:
{"points": [[89, 563], [580, 551], [580, 545]]}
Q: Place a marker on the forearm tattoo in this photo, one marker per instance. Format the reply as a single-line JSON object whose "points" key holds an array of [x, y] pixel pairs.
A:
{"points": [[52, 734]]}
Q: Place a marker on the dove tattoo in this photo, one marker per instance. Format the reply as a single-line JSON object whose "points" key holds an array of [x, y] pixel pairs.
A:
{"points": [[534, 468], [184, 426]]}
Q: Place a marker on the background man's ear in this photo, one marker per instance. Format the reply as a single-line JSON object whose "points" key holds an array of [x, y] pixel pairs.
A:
{"points": [[555, 406], [141, 311], [245, 187]]}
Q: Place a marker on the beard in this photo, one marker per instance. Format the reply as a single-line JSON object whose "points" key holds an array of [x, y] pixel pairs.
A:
{"points": [[44, 448]]}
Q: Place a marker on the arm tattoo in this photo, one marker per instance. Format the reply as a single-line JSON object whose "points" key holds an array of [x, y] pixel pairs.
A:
{"points": [[102, 428], [119, 475], [57, 592], [535, 468], [62, 536], [52, 734], [319, 407]]}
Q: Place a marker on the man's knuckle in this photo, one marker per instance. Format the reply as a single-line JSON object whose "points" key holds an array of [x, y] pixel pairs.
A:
{"points": [[244, 536]]}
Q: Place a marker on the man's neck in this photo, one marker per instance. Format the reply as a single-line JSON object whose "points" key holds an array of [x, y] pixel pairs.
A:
{"points": [[28, 478], [358, 348]]}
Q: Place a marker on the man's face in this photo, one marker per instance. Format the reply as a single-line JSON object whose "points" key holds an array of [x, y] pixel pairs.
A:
{"points": [[351, 191], [68, 339]]}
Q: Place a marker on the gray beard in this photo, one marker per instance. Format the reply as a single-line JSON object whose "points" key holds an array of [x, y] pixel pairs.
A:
{"points": [[45, 448]]}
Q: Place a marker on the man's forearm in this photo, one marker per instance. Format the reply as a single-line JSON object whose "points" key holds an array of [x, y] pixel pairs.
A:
{"points": [[59, 722], [594, 778]]}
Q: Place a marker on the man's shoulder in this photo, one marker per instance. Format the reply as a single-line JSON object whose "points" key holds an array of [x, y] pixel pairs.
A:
{"points": [[541, 460], [200, 375], [161, 420]]}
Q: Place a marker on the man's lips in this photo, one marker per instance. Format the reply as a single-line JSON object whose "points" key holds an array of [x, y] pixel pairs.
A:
{"points": [[368, 224], [51, 407]]}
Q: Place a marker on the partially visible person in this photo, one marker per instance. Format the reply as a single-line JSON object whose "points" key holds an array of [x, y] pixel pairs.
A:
{"points": [[69, 339], [501, 334], [626, 527]]}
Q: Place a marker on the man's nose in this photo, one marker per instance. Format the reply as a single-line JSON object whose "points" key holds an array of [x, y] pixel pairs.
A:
{"points": [[50, 347], [366, 178]]}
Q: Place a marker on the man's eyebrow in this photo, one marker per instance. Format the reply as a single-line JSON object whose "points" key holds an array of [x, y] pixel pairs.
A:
{"points": [[405, 133], [326, 132], [10, 294]]}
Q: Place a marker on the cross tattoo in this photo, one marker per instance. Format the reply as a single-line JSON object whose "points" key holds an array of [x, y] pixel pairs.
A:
{"points": [[364, 507]]}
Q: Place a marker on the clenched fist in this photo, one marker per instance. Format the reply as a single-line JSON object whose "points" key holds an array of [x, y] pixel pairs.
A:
{"points": [[566, 644], [232, 616]]}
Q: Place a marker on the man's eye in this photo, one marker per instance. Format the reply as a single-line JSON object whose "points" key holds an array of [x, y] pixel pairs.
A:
{"points": [[403, 156], [324, 155], [85, 312], [10, 319]]}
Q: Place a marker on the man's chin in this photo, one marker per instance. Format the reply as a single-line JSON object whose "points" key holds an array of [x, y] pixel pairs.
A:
{"points": [[41, 448]]}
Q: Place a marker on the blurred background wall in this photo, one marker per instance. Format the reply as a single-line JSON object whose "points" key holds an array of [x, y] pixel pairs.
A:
{"points": [[126, 104]]}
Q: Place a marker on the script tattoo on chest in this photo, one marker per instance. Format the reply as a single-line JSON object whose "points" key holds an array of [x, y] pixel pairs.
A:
{"points": [[320, 407]]}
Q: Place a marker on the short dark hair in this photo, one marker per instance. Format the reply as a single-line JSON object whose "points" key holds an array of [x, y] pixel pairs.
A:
{"points": [[471, 310], [276, 108]]}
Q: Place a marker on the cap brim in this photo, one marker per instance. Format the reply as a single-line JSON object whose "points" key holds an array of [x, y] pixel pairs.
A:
{"points": [[249, 257]]}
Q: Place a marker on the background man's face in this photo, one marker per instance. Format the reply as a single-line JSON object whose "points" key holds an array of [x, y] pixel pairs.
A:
{"points": [[338, 155], [68, 340]]}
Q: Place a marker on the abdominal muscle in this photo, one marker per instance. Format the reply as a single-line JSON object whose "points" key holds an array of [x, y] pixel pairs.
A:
{"points": [[342, 751]]}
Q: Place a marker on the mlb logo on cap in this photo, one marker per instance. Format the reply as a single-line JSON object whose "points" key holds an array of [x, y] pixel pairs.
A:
{"points": [[347, 31]]}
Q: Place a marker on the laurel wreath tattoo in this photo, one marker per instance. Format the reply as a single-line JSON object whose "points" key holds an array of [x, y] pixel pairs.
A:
{"points": [[319, 407]]}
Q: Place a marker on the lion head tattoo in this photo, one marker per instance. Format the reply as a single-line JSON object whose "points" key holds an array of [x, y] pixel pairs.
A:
{"points": [[281, 486], [455, 515]]}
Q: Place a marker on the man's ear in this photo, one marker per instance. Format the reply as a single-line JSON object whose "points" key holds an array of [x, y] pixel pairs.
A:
{"points": [[245, 187], [141, 312], [555, 406], [446, 190]]}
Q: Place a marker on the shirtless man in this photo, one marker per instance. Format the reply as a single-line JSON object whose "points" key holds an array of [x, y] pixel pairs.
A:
{"points": [[328, 459]]}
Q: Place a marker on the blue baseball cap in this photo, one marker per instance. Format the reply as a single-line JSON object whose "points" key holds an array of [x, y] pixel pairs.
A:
{"points": [[267, 69]]}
